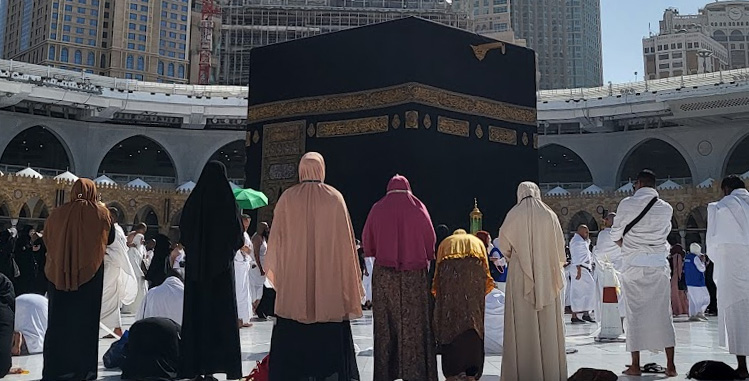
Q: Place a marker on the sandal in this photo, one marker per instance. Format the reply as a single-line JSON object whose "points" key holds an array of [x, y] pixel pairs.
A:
{"points": [[653, 368]]}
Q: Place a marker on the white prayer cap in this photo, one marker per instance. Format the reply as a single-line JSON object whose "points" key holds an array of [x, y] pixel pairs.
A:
{"points": [[695, 248]]}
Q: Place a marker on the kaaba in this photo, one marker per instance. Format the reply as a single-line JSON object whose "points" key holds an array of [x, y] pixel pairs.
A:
{"points": [[453, 111]]}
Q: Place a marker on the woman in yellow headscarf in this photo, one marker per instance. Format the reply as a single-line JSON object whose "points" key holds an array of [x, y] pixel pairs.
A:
{"points": [[461, 282]]}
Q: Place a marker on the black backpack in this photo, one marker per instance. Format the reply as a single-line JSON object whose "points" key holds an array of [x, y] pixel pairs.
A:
{"points": [[590, 374], [712, 370]]}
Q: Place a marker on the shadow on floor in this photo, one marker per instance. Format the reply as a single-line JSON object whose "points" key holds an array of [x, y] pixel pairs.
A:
{"points": [[253, 356]]}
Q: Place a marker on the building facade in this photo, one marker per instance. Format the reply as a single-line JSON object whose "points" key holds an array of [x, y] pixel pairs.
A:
{"points": [[491, 18], [690, 130], [131, 39], [247, 24], [716, 38], [566, 35], [683, 46]]}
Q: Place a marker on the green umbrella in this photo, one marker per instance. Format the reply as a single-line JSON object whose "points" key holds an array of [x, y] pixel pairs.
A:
{"points": [[250, 198]]}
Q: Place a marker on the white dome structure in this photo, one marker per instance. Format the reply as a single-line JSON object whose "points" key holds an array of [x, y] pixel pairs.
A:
{"points": [[138, 183], [28, 172], [626, 188], [67, 176], [708, 183], [669, 185], [186, 187], [558, 191], [593, 189], [104, 180]]}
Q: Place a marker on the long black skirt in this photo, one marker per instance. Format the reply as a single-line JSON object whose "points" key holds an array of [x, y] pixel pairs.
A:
{"points": [[71, 345], [267, 305], [210, 336], [320, 351]]}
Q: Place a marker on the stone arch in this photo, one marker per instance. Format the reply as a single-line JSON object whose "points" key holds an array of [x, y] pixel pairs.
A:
{"points": [[233, 156], [696, 225], [580, 218], [736, 35], [33, 212], [720, 35], [737, 158], [148, 215], [38, 147], [174, 220], [5, 215], [674, 236], [658, 155], [139, 156], [121, 213], [559, 164]]}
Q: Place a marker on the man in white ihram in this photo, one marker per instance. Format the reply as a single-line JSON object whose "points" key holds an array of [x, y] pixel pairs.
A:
{"points": [[120, 283], [582, 284], [641, 226], [607, 257], [728, 247]]}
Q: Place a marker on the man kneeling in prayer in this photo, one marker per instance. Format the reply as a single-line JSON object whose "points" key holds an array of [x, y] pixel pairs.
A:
{"points": [[165, 300], [30, 325]]}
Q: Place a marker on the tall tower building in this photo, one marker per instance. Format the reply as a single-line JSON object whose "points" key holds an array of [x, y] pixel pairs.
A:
{"points": [[247, 24], [566, 35], [490, 18], [132, 39], [3, 22]]}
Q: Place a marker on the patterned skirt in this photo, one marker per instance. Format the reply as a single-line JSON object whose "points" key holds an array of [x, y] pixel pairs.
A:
{"points": [[459, 316], [403, 342]]}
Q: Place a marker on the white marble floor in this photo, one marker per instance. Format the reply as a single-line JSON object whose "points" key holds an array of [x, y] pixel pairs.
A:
{"points": [[696, 341]]}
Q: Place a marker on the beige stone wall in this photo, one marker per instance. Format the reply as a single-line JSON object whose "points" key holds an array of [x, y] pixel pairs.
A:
{"points": [[684, 201], [15, 192]]}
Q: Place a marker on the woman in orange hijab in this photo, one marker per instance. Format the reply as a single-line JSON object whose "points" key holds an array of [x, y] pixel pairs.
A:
{"points": [[76, 235], [312, 263]]}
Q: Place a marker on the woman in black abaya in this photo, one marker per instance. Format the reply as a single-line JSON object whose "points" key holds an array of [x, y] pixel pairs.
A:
{"points": [[77, 234], [7, 244], [157, 272], [211, 231], [30, 256], [7, 320]]}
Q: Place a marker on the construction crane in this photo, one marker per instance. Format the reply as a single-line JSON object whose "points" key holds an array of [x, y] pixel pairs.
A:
{"points": [[210, 8]]}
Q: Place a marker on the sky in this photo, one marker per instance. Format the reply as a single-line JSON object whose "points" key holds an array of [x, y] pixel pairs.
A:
{"points": [[623, 25]]}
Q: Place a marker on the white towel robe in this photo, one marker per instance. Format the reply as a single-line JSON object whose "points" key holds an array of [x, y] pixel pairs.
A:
{"points": [[31, 321], [242, 266], [257, 281], [646, 279], [164, 301], [120, 283], [367, 280], [728, 247], [136, 255], [583, 290], [608, 257], [494, 322]]}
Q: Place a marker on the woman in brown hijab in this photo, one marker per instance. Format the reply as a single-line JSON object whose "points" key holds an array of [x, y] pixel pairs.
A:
{"points": [[312, 264], [76, 235]]}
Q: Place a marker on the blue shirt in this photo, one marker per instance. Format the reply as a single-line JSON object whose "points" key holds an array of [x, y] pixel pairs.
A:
{"points": [[496, 274], [693, 276]]}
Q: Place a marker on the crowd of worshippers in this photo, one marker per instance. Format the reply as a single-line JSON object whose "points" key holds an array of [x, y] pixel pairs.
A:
{"points": [[432, 291]]}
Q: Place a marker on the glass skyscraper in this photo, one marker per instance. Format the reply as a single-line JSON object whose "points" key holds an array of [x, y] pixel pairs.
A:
{"points": [[566, 35]]}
